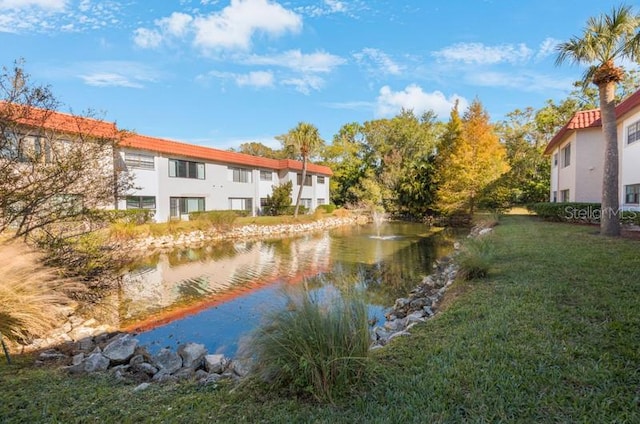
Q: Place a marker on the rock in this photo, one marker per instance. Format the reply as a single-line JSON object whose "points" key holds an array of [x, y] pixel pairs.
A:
{"points": [[51, 355], [428, 311], [240, 368], [416, 316], [192, 354], [80, 333], [168, 361], [210, 379], [136, 359], [77, 359], [398, 334], [120, 350], [401, 303], [141, 386], [86, 344], [95, 362], [395, 325], [163, 376], [215, 363], [144, 368], [420, 303], [184, 374]]}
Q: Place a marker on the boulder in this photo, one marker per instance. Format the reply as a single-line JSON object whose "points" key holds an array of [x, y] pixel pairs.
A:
{"points": [[420, 303], [215, 363], [144, 368], [121, 349], [168, 361], [95, 362], [192, 354]]}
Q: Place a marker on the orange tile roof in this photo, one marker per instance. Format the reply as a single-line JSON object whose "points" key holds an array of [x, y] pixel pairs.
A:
{"points": [[580, 120], [170, 147], [57, 121], [591, 119], [49, 119]]}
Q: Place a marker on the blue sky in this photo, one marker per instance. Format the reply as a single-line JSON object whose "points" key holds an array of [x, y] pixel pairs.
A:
{"points": [[220, 73]]}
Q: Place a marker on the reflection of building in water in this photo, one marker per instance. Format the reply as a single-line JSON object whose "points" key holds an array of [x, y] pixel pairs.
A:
{"points": [[193, 282]]}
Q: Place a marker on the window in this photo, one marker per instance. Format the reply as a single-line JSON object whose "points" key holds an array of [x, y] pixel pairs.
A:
{"points": [[555, 196], [42, 150], [321, 201], [266, 176], [564, 196], [240, 203], [633, 132], [320, 179], [632, 194], [13, 147], [139, 160], [307, 179], [555, 159], [306, 203], [141, 202], [240, 175], [186, 169], [566, 156], [179, 206]]}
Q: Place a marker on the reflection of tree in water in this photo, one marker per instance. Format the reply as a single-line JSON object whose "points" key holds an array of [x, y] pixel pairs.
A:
{"points": [[193, 288], [394, 277]]}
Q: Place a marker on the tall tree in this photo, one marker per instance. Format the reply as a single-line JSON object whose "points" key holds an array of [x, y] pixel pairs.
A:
{"points": [[606, 39], [305, 141], [476, 160], [53, 166]]}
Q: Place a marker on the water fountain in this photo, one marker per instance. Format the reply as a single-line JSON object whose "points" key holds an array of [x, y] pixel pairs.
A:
{"points": [[378, 219]]}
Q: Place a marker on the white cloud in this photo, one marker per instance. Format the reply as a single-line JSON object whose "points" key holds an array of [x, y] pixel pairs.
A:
{"points": [[478, 53], [48, 16], [294, 59], [335, 6], [547, 48], [377, 62], [305, 83], [525, 81], [147, 38], [115, 74], [25, 4], [232, 28], [105, 79], [177, 24], [256, 79], [390, 102]]}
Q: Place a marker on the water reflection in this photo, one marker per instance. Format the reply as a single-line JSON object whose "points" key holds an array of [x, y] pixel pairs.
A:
{"points": [[215, 294]]}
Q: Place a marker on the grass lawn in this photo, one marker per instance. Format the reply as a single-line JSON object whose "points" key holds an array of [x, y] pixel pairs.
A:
{"points": [[552, 335]]}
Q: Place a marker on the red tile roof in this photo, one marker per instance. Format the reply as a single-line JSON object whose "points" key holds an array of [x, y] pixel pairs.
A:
{"points": [[591, 119], [65, 123], [170, 147], [57, 121], [580, 120]]}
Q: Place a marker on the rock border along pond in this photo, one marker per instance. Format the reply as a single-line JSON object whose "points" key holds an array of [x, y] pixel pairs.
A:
{"points": [[123, 356]]}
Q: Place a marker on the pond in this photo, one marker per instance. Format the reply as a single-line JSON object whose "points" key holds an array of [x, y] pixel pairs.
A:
{"points": [[218, 294]]}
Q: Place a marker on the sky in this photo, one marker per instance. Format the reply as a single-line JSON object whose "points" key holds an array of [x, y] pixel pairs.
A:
{"points": [[220, 73]]}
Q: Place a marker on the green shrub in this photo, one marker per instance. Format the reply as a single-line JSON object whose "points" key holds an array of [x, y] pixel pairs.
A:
{"points": [[475, 258], [313, 347], [278, 202], [123, 216], [216, 218], [290, 210], [327, 208], [567, 212]]}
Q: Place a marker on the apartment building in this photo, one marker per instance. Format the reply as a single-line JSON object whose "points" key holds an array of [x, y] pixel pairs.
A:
{"points": [[577, 156]]}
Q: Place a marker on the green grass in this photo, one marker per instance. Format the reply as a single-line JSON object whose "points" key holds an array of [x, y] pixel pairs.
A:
{"points": [[552, 335]]}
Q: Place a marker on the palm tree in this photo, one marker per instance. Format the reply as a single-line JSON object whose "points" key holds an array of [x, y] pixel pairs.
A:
{"points": [[606, 39], [304, 140]]}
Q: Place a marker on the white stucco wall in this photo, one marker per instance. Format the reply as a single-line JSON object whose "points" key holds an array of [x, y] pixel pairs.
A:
{"points": [[589, 163], [567, 174], [629, 157]]}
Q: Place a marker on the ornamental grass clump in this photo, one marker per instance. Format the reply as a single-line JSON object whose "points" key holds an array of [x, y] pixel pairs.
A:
{"points": [[315, 346], [30, 294], [475, 258]]}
